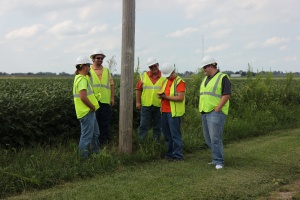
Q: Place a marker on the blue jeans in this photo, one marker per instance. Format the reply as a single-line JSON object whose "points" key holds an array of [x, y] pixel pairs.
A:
{"points": [[213, 124], [172, 134], [89, 134], [103, 115], [150, 114]]}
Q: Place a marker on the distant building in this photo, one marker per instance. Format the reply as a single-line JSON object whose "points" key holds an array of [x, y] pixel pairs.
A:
{"points": [[235, 75]]}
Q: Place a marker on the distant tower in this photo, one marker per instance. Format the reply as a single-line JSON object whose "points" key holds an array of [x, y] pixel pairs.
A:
{"points": [[202, 46]]}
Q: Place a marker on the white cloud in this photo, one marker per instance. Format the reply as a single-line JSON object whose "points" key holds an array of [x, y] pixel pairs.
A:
{"points": [[219, 22], [86, 12], [232, 28], [275, 41], [68, 27], [252, 45], [25, 32], [291, 59], [180, 33], [98, 29], [221, 33], [217, 48], [118, 27], [52, 16], [197, 51], [284, 48], [194, 8]]}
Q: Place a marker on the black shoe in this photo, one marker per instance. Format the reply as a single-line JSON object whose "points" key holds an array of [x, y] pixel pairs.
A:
{"points": [[167, 158], [176, 159]]}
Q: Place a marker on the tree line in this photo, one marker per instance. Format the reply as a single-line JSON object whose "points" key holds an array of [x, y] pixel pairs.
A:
{"points": [[184, 74]]}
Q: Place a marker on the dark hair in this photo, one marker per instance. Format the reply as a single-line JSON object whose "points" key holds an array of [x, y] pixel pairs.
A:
{"points": [[214, 65], [79, 67]]}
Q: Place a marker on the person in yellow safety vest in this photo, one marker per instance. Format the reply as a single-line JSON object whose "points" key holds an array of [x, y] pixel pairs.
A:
{"points": [[102, 82], [85, 106], [215, 91], [148, 85], [172, 108]]}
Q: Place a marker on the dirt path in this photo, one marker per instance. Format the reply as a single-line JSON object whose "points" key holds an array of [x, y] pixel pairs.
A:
{"points": [[286, 192]]}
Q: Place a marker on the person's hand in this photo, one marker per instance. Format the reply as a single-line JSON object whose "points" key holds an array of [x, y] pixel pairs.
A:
{"points": [[112, 102], [217, 109], [162, 96], [92, 109], [138, 106]]}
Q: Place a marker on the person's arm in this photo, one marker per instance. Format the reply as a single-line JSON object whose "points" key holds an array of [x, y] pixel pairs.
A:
{"points": [[112, 92], [138, 94], [178, 98], [180, 91], [222, 102], [112, 95], [85, 100], [226, 92]]}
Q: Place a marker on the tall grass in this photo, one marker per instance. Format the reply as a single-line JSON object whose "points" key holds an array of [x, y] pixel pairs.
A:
{"points": [[258, 105]]}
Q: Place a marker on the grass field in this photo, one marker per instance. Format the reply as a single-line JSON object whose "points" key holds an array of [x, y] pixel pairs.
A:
{"points": [[40, 133], [254, 168]]}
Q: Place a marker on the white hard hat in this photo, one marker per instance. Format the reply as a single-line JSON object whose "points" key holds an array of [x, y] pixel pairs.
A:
{"points": [[208, 60], [97, 52], [167, 69], [83, 60], [151, 61]]}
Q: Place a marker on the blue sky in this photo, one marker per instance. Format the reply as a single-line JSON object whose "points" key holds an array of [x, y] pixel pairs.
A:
{"points": [[48, 36]]}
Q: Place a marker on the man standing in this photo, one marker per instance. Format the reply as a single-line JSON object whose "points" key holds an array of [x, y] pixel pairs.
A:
{"points": [[215, 91], [102, 83], [172, 108], [147, 101], [85, 106]]}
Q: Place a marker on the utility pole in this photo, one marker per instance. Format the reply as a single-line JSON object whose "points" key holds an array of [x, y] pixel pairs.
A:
{"points": [[127, 72]]}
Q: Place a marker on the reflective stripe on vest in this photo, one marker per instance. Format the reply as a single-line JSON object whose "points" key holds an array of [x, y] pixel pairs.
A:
{"points": [[211, 94], [89, 88], [149, 94], [177, 108], [101, 86]]}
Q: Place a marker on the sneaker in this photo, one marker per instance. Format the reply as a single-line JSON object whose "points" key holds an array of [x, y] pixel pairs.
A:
{"points": [[219, 167]]}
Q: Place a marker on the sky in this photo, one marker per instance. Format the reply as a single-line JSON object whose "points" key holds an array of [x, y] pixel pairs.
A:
{"points": [[48, 36]]}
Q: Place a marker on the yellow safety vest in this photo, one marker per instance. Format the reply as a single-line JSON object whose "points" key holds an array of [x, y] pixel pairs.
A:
{"points": [[149, 94], [211, 94], [177, 108], [80, 108], [101, 86]]}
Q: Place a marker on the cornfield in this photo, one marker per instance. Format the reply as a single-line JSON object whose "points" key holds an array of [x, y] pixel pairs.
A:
{"points": [[36, 110]]}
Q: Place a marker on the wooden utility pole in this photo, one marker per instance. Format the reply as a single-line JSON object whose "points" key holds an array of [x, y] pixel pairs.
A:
{"points": [[127, 72]]}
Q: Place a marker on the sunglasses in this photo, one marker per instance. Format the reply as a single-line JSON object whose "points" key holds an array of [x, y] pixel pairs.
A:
{"points": [[152, 66], [206, 66], [99, 58], [86, 64]]}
